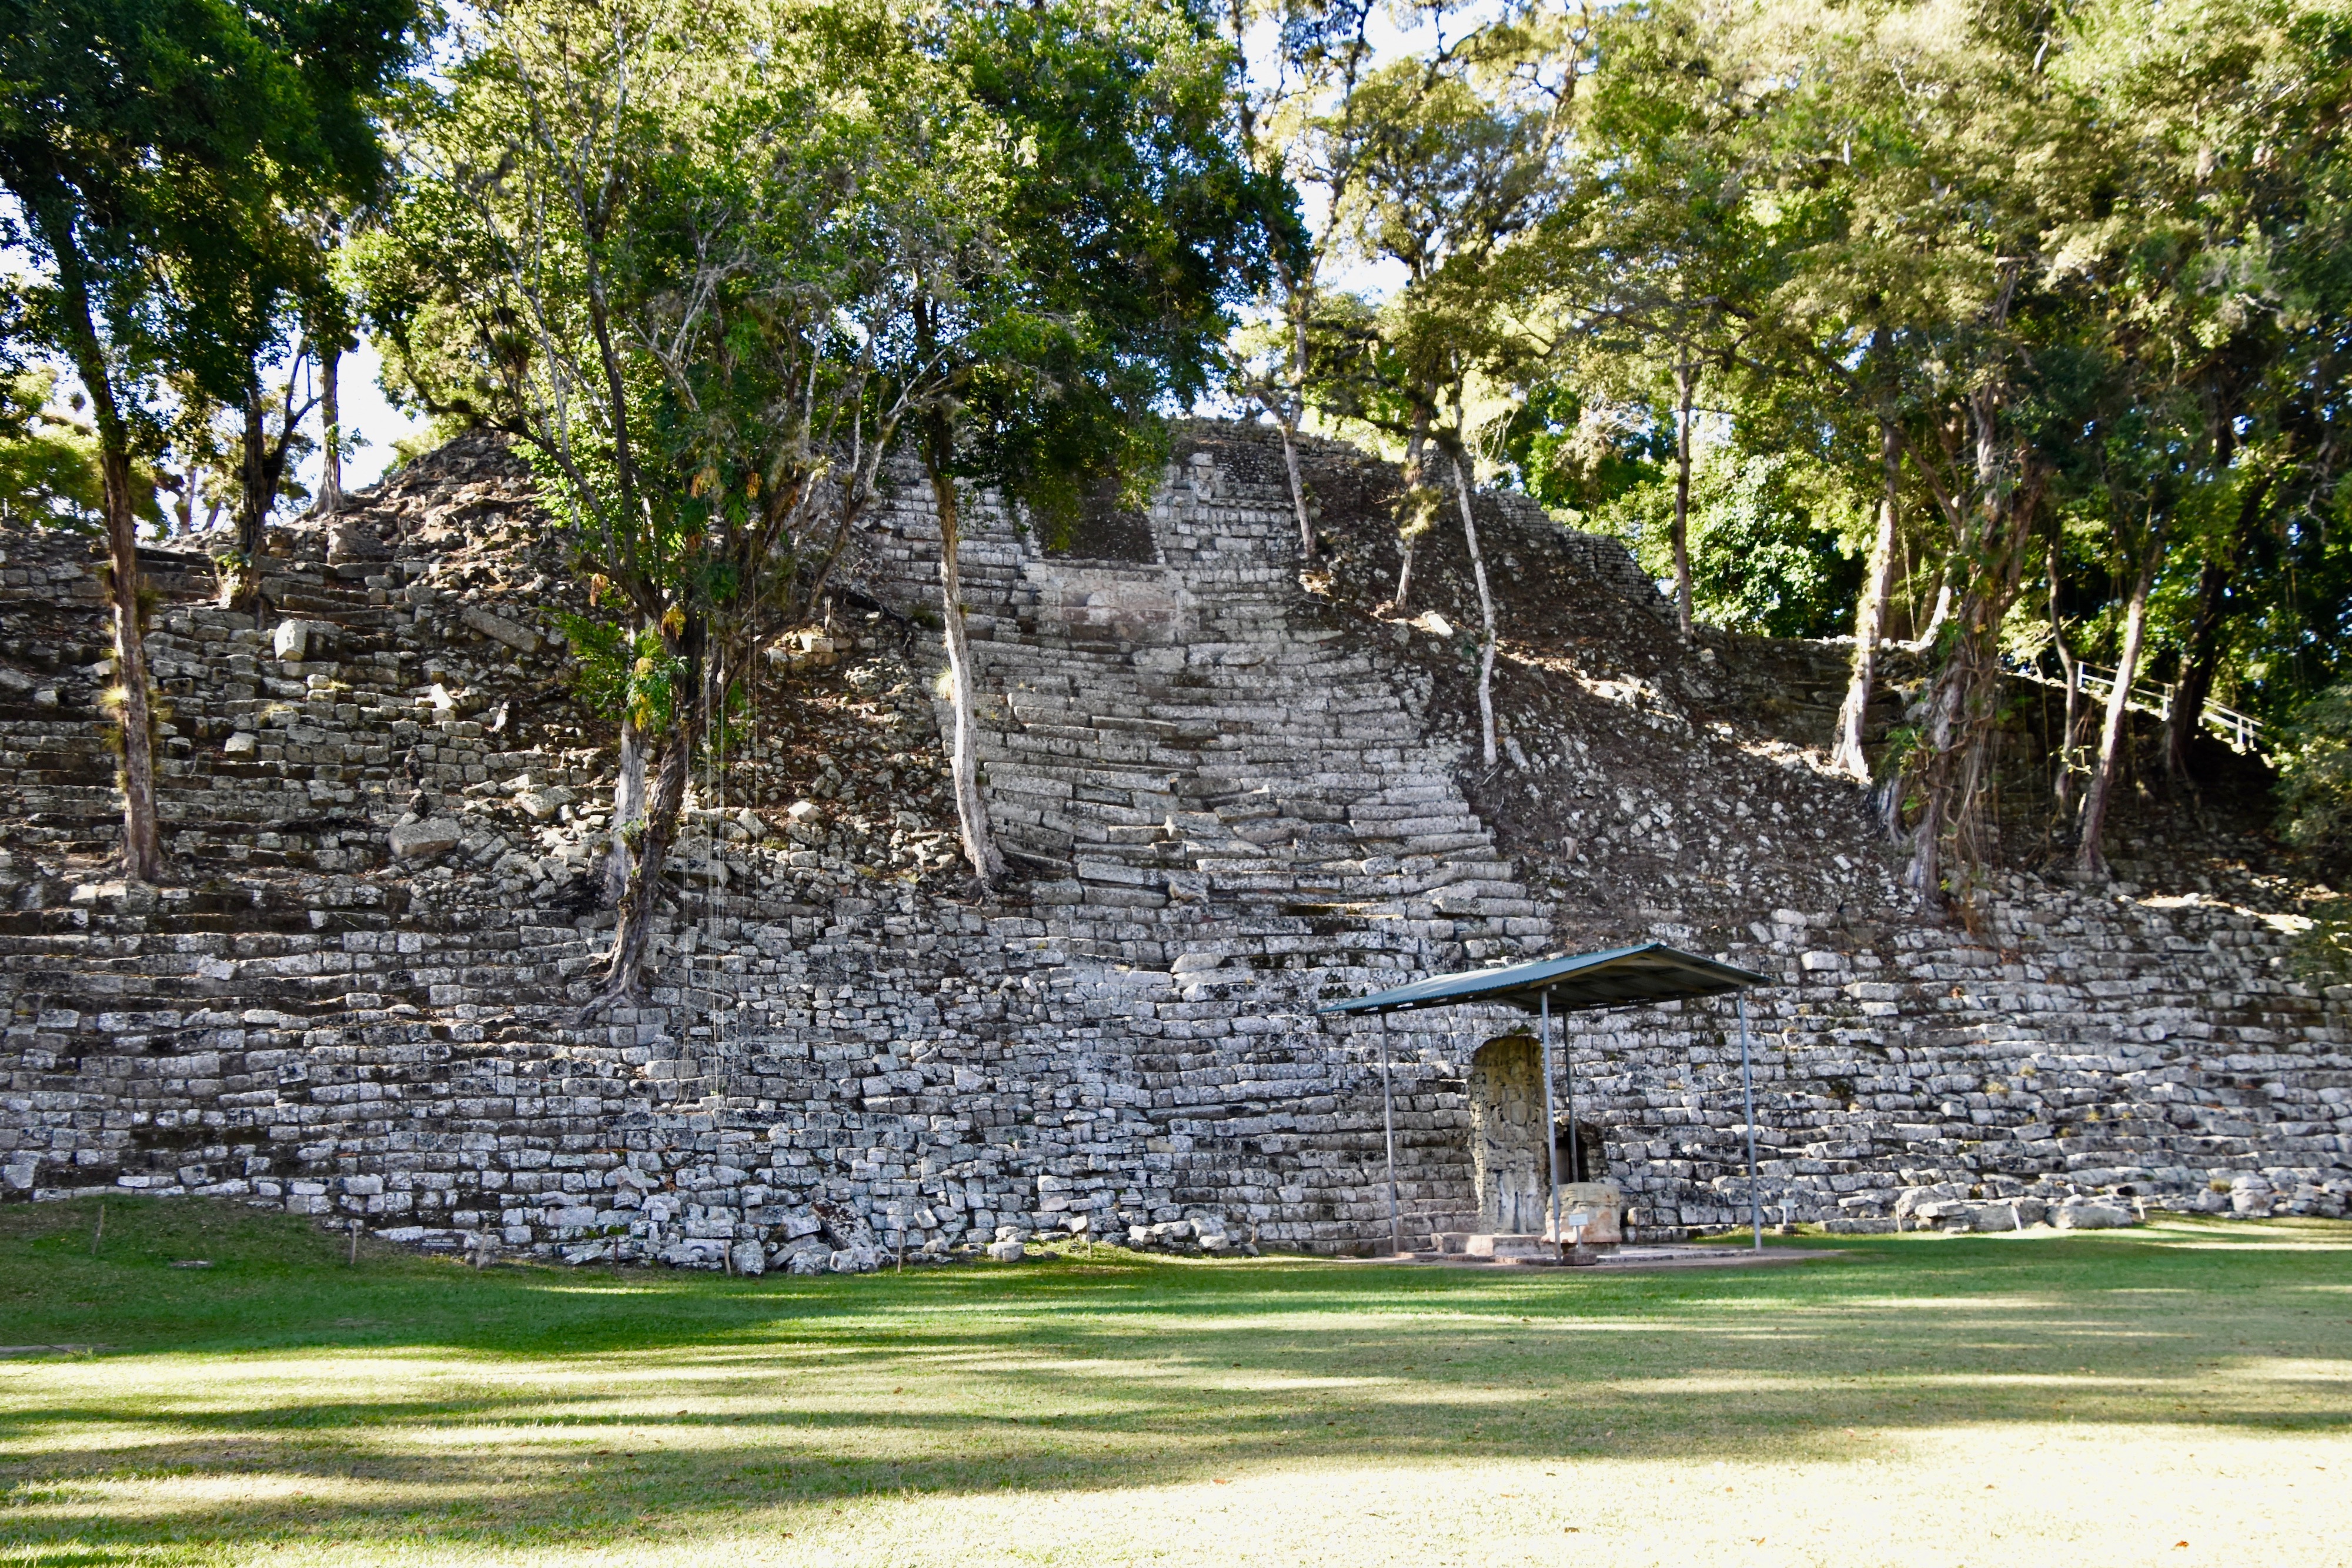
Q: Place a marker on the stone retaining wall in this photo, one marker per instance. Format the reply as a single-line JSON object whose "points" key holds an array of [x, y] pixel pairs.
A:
{"points": [[1231, 799]]}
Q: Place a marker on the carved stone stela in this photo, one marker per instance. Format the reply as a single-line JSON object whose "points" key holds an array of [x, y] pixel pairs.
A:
{"points": [[1506, 1141]]}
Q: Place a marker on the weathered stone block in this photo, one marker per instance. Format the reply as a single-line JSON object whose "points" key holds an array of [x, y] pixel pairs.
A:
{"points": [[424, 839], [498, 629]]}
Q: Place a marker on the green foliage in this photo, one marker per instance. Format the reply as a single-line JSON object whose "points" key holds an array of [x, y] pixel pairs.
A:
{"points": [[1770, 558], [2323, 955], [157, 173], [680, 302], [1128, 232], [1453, 158], [2315, 774], [1576, 453], [1769, 542], [50, 476], [48, 460], [621, 675]]}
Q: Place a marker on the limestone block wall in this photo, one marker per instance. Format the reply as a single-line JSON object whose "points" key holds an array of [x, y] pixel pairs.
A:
{"points": [[1230, 801]]}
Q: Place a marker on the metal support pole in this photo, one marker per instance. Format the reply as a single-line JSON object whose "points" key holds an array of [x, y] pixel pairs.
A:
{"points": [[1575, 1154], [1387, 1126], [1748, 1090], [1551, 1124]]}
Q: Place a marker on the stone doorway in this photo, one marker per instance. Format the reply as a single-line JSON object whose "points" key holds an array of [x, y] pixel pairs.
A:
{"points": [[1506, 1135]]}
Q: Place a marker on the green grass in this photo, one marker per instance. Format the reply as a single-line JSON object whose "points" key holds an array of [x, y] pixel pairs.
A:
{"points": [[2079, 1400]]}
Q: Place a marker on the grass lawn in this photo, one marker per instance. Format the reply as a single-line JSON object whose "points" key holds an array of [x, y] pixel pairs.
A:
{"points": [[2042, 1400]]}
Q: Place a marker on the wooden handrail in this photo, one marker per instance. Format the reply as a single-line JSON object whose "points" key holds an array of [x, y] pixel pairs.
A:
{"points": [[2240, 731]]}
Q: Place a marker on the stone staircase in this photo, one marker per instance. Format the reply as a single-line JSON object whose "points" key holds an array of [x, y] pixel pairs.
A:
{"points": [[1223, 805], [1269, 772], [1191, 736]]}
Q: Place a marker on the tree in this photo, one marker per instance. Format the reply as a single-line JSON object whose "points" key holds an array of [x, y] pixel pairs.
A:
{"points": [[291, 315], [1770, 528], [142, 142], [1870, 609], [1306, 128], [2226, 122], [1458, 158], [49, 459], [1097, 289], [2315, 802], [664, 247], [2189, 265], [1676, 256], [1458, 161], [1945, 232]]}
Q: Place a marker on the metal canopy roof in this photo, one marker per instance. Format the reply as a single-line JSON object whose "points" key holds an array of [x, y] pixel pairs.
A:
{"points": [[1614, 978]]}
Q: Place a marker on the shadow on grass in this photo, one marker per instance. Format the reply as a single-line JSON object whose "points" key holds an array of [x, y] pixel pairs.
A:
{"points": [[281, 1396]]}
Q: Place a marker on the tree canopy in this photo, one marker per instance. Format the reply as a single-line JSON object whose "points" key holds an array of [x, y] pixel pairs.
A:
{"points": [[2017, 332]]}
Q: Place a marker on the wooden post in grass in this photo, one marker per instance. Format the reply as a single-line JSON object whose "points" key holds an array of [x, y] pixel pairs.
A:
{"points": [[98, 1234], [355, 1243]]}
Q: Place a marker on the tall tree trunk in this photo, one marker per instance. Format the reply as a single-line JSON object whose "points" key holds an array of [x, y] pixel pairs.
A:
{"points": [[1870, 614], [1940, 614], [1951, 766], [963, 758], [1417, 522], [1294, 409], [330, 420], [1938, 767], [254, 513], [1287, 425], [241, 575], [2063, 786], [628, 810], [1682, 378], [142, 850], [2090, 855], [2198, 668], [641, 903], [1486, 615]]}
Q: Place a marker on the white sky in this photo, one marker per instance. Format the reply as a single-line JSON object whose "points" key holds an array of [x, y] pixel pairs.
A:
{"points": [[370, 415]]}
